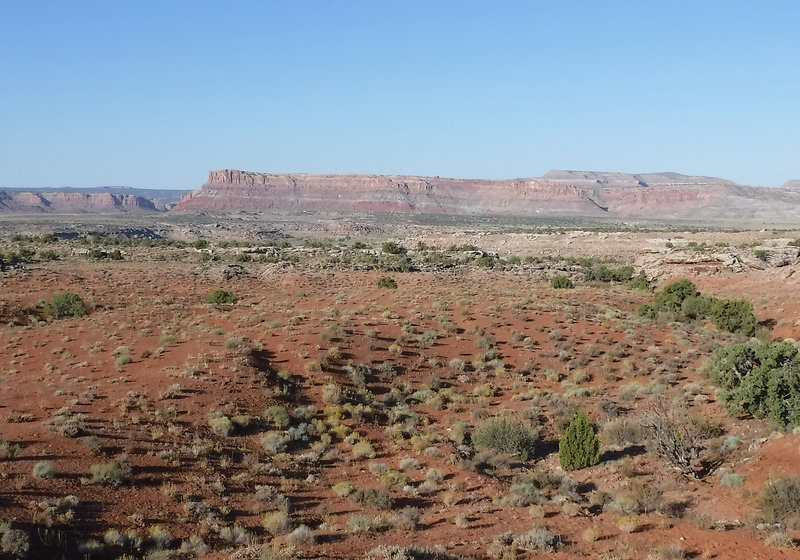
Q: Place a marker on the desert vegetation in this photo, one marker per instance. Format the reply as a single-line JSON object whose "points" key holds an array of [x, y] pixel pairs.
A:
{"points": [[333, 398]]}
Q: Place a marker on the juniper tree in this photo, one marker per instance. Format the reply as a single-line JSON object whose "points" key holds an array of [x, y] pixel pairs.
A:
{"points": [[580, 447]]}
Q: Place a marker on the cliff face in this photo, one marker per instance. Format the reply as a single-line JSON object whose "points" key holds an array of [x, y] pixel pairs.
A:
{"points": [[31, 202], [656, 195], [230, 189]]}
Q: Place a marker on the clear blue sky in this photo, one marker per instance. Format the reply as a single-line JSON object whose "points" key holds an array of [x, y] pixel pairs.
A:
{"points": [[156, 93]]}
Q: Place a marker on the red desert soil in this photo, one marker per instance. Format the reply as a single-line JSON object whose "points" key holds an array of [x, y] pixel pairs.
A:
{"points": [[188, 360]]}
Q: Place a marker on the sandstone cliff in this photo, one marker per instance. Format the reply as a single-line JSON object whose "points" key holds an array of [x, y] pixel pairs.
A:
{"points": [[653, 195]]}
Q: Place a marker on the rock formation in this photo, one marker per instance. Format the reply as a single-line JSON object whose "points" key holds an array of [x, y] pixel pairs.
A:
{"points": [[653, 195]]}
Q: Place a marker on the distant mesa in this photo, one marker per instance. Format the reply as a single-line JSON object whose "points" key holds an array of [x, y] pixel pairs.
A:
{"points": [[557, 193], [93, 200]]}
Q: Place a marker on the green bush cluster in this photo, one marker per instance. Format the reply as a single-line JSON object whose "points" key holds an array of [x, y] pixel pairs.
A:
{"points": [[733, 315], [561, 283], [393, 248], [387, 282], [222, 297], [761, 380], [682, 299], [100, 255], [580, 446], [65, 305], [605, 274], [13, 259]]}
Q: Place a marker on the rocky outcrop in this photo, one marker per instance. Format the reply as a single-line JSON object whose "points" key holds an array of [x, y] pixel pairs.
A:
{"points": [[30, 202], [652, 195]]}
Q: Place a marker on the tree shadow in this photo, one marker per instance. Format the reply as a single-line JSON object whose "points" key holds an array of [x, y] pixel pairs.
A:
{"points": [[617, 454], [768, 324]]}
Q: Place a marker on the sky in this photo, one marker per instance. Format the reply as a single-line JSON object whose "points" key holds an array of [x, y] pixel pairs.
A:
{"points": [[154, 94]]}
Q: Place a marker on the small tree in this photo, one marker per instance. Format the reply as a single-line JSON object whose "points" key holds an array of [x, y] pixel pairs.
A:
{"points": [[733, 315], [388, 283], [65, 306], [761, 380], [580, 446], [506, 436]]}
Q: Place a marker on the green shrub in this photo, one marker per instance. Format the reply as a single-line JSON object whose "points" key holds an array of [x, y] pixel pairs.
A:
{"points": [[640, 282], [278, 416], [733, 315], [605, 274], [393, 248], [580, 446], [233, 343], [780, 498], [761, 380], [275, 442], [65, 305], [343, 488], [168, 340], [113, 474], [672, 296], [507, 436], [732, 480], [221, 425], [374, 498], [123, 354], [647, 311], [276, 522], [100, 255], [696, 306], [363, 450], [222, 297], [388, 283], [561, 283], [485, 262]]}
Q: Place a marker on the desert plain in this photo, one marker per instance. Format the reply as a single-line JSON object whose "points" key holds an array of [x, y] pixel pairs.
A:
{"points": [[388, 390]]}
